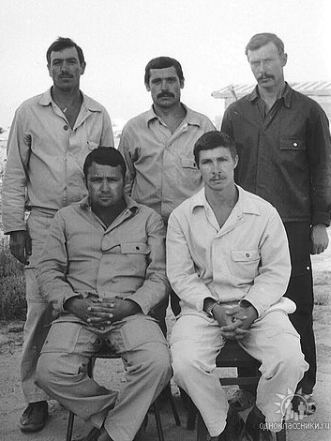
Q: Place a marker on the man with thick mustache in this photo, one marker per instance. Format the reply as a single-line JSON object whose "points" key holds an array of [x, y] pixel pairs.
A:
{"points": [[157, 145], [50, 136], [284, 149]]}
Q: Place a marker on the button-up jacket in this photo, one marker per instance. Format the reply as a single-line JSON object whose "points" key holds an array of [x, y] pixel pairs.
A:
{"points": [[45, 156], [83, 257], [247, 258], [284, 155], [161, 171]]}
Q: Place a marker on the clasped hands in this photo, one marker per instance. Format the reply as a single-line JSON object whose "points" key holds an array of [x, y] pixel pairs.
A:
{"points": [[101, 312], [234, 321]]}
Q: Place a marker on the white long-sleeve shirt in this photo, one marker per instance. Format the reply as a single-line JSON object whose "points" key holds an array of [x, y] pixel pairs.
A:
{"points": [[247, 258], [44, 168]]}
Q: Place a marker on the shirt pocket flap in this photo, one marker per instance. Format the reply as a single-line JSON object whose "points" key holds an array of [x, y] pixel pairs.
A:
{"points": [[245, 256], [135, 248], [188, 163], [292, 144]]}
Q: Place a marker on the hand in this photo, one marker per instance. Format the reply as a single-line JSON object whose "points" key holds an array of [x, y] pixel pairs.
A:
{"points": [[319, 239], [20, 246], [101, 312], [235, 321]]}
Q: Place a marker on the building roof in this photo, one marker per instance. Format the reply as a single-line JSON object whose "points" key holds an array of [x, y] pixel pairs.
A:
{"points": [[311, 88]]}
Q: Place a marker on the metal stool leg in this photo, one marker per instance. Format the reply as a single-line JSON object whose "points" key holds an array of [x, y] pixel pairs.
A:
{"points": [[172, 404], [70, 426], [158, 422]]}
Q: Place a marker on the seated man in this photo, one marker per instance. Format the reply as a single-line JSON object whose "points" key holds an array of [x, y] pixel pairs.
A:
{"points": [[228, 261], [103, 269]]}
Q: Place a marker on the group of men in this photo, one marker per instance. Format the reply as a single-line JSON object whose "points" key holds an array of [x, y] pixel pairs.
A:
{"points": [[97, 266]]}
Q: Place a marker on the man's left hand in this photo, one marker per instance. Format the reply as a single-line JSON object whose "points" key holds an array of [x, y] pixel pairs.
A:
{"points": [[242, 320], [111, 310], [319, 239]]}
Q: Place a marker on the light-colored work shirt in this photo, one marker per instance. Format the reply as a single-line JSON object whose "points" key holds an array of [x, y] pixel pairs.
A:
{"points": [[161, 171], [247, 258], [83, 257], [44, 168]]}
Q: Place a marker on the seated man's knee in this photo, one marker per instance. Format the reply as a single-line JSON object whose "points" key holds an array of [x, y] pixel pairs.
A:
{"points": [[183, 362], [45, 369]]}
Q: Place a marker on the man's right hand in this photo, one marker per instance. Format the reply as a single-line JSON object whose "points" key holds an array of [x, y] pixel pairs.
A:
{"points": [[20, 246]]}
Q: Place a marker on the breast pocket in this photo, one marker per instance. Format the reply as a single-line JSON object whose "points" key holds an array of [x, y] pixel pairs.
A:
{"points": [[135, 254], [293, 153], [189, 176], [244, 264]]}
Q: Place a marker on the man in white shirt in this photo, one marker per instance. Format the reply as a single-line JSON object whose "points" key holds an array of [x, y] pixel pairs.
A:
{"points": [[228, 261]]}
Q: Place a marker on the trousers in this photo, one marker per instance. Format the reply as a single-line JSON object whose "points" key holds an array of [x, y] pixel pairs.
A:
{"points": [[39, 313], [195, 343], [62, 372]]}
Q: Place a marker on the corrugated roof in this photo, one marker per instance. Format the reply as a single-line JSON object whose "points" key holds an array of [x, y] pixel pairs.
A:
{"points": [[312, 88]]}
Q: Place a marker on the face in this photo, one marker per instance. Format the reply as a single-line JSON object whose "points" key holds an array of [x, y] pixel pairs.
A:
{"points": [[217, 168], [267, 65], [164, 86], [65, 69], [105, 186]]}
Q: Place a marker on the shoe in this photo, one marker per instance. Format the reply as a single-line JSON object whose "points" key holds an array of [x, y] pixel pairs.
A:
{"points": [[241, 400], [93, 435], [234, 428], [307, 402], [34, 417], [254, 427]]}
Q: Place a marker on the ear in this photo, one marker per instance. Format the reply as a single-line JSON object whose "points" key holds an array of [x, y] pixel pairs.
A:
{"points": [[181, 83], [147, 87], [236, 160], [49, 70], [82, 68], [284, 59]]}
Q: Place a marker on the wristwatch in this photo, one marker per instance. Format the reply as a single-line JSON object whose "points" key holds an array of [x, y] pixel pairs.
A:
{"points": [[209, 310]]}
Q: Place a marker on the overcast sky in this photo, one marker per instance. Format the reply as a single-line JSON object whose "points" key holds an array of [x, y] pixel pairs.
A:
{"points": [[119, 37]]}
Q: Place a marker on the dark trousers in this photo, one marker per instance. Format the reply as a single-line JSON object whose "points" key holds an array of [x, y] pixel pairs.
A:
{"points": [[300, 290]]}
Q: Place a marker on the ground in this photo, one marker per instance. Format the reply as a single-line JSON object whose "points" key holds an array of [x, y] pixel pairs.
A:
{"points": [[313, 428]]}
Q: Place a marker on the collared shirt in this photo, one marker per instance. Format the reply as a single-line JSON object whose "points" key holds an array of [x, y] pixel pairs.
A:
{"points": [[247, 258], [45, 156], [284, 154], [83, 257], [161, 171]]}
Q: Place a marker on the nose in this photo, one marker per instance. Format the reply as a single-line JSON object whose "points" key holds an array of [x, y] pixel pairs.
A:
{"points": [[215, 168], [164, 85], [104, 185]]}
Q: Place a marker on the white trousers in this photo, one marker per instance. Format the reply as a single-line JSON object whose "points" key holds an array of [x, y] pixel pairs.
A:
{"points": [[195, 343]]}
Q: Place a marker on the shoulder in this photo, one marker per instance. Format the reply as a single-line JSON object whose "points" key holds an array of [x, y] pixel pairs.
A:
{"points": [[254, 201], [184, 211], [201, 119], [137, 121], [30, 103], [94, 105]]}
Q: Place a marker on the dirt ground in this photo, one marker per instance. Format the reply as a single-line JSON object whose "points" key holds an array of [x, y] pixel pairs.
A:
{"points": [[313, 428]]}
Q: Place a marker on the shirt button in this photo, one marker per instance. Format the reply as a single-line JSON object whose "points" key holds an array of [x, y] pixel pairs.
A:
{"points": [[247, 254], [137, 248], [65, 127], [295, 144]]}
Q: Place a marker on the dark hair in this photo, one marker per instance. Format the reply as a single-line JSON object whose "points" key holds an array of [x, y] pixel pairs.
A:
{"points": [[260, 40], [104, 156], [163, 63], [212, 140], [64, 43]]}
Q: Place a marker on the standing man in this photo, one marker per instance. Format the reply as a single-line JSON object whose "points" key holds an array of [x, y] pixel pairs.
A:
{"points": [[104, 287], [284, 149], [50, 136], [157, 144], [228, 261]]}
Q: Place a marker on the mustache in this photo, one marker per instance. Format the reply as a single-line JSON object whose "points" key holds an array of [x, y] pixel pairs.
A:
{"points": [[266, 77], [166, 95]]}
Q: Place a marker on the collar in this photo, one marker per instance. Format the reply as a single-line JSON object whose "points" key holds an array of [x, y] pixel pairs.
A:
{"points": [[286, 96], [131, 205], [244, 205], [191, 118], [87, 103]]}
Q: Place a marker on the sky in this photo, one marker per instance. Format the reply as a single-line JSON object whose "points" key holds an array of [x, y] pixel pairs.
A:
{"points": [[119, 37]]}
